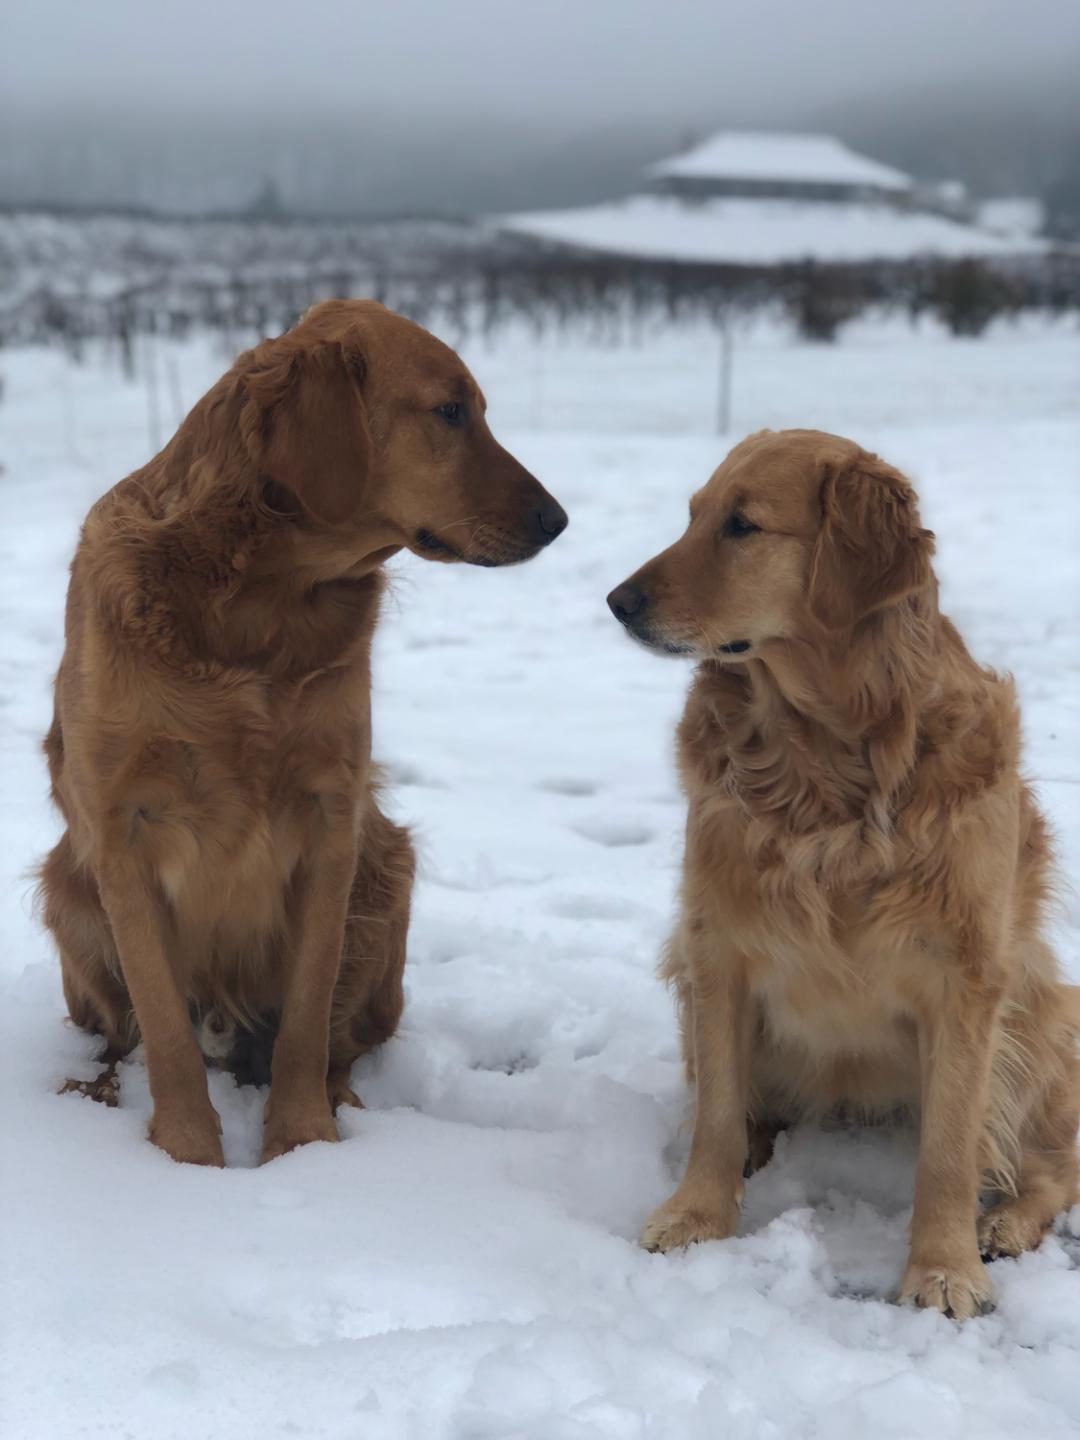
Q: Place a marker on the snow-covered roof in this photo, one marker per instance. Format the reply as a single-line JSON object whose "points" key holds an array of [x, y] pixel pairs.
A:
{"points": [[779, 156], [760, 232]]}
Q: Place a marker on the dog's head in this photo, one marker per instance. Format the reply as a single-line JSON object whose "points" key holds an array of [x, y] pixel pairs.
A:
{"points": [[367, 420], [797, 535]]}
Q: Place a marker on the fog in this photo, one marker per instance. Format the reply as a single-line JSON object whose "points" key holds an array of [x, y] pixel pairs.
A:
{"points": [[424, 105]]}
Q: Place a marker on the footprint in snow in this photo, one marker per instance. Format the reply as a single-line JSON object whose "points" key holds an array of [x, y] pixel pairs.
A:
{"points": [[575, 789], [615, 833], [590, 907], [435, 642], [403, 772], [516, 1065]]}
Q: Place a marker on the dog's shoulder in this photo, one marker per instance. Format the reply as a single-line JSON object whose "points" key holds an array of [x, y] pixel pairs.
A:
{"points": [[714, 712], [970, 728], [120, 574]]}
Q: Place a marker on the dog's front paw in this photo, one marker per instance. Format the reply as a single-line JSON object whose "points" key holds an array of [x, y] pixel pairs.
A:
{"points": [[682, 1221], [959, 1289], [189, 1137], [287, 1128]]}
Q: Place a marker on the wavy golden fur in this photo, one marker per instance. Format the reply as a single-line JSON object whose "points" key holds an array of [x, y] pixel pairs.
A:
{"points": [[866, 873], [211, 746]]}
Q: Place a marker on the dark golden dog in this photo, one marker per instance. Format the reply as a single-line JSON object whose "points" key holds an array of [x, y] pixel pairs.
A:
{"points": [[210, 752], [865, 872]]}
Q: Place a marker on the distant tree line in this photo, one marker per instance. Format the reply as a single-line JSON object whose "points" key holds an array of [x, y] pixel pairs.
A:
{"points": [[64, 282]]}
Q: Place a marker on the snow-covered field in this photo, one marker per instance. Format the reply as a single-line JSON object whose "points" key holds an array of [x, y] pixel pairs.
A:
{"points": [[464, 1264]]}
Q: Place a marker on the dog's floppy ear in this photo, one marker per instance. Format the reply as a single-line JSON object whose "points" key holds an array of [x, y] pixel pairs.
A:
{"points": [[310, 426], [872, 551]]}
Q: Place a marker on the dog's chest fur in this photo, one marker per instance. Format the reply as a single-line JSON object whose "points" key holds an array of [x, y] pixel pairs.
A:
{"points": [[296, 763], [225, 775], [837, 978]]}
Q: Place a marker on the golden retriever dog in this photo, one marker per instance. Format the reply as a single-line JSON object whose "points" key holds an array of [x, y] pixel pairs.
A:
{"points": [[225, 858], [865, 874]]}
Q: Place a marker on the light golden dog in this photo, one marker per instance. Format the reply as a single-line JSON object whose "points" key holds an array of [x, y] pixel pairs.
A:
{"points": [[865, 873], [211, 748]]}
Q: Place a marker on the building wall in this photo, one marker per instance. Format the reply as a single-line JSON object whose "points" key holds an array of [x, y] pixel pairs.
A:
{"points": [[697, 187]]}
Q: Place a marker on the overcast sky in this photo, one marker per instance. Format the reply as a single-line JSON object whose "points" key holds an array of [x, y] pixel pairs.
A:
{"points": [[601, 60], [458, 106]]}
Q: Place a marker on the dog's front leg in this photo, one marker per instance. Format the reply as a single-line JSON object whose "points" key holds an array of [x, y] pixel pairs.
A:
{"points": [[298, 1110], [706, 1204], [956, 1048], [184, 1123]]}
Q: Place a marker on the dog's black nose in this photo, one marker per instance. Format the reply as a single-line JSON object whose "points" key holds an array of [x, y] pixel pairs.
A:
{"points": [[625, 601], [548, 522]]}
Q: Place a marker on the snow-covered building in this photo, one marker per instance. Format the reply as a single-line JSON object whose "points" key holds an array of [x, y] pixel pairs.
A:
{"points": [[752, 164], [753, 199]]}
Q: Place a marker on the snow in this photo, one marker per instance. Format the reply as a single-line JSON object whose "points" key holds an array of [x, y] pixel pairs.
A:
{"points": [[777, 155], [754, 232], [463, 1265], [1013, 214]]}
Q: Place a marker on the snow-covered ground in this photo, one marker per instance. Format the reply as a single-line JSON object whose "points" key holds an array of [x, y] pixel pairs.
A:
{"points": [[464, 1264]]}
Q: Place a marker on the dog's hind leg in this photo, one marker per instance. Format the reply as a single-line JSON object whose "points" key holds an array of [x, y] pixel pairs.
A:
{"points": [[1031, 1134], [96, 996], [104, 1087], [761, 1133], [1046, 1179], [369, 996]]}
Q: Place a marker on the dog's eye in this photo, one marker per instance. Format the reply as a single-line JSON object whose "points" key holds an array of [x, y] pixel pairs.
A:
{"points": [[453, 412], [738, 525]]}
